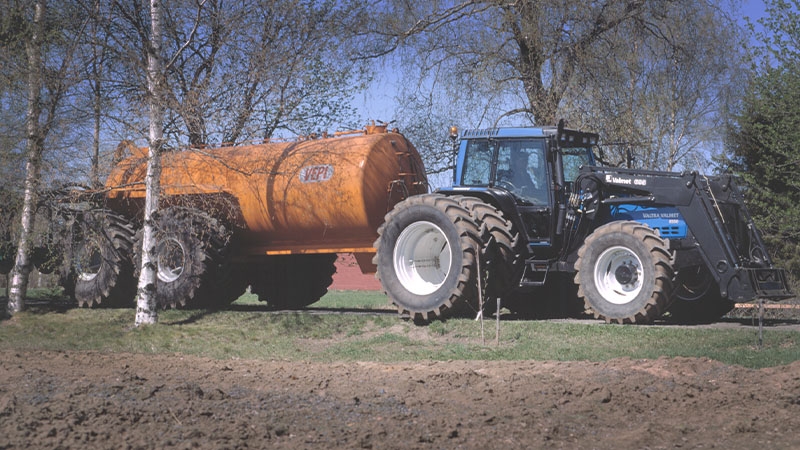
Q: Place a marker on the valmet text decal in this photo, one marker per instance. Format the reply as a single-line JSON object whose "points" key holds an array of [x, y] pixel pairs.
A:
{"points": [[631, 181]]}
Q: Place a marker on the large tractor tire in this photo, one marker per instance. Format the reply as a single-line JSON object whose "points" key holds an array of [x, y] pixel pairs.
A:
{"points": [[189, 245], [103, 269], [697, 298], [625, 273], [426, 256], [294, 281], [505, 250]]}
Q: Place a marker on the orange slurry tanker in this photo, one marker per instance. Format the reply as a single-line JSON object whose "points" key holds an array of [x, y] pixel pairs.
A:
{"points": [[271, 216]]}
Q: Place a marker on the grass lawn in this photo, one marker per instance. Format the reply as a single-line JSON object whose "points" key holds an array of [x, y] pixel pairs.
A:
{"points": [[359, 326]]}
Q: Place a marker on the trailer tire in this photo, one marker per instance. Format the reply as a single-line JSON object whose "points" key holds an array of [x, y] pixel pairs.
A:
{"points": [[426, 256], [294, 281], [188, 245], [103, 269], [697, 298], [625, 273]]}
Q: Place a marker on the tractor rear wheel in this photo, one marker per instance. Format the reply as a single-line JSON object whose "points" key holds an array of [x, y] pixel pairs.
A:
{"points": [[506, 251], [294, 281], [625, 273], [426, 256], [103, 269]]}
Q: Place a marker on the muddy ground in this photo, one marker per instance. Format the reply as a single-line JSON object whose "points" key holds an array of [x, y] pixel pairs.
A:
{"points": [[95, 400]]}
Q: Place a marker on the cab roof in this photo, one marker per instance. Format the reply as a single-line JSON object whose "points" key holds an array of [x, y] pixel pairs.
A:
{"points": [[509, 132]]}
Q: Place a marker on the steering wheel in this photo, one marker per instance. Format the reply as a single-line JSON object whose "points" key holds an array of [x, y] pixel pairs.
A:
{"points": [[509, 186]]}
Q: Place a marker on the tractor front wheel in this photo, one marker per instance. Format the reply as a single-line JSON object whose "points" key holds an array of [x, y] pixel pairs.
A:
{"points": [[624, 273]]}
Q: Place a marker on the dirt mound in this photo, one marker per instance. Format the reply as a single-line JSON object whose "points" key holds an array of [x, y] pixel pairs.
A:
{"points": [[94, 400]]}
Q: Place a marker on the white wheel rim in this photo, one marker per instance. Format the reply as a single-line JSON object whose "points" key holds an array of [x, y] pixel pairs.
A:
{"points": [[171, 260], [618, 275], [422, 258]]}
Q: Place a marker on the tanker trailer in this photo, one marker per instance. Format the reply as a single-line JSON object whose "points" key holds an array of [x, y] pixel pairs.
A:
{"points": [[270, 215]]}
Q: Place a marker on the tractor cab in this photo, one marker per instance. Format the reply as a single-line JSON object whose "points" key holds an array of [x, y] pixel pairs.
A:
{"points": [[527, 173]]}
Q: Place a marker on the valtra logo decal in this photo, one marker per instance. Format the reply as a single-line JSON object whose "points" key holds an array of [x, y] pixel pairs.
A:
{"points": [[316, 174]]}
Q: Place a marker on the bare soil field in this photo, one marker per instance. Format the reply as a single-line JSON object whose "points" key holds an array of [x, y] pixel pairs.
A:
{"points": [[96, 400]]}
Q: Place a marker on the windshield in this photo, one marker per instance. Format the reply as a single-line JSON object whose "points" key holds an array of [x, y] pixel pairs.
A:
{"points": [[520, 167]]}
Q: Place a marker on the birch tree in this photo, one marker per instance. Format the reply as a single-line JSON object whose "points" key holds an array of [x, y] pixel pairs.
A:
{"points": [[146, 310], [33, 150], [156, 68]]}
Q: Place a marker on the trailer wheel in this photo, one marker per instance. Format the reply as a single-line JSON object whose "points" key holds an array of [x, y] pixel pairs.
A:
{"points": [[103, 269], [625, 273], [188, 246], [697, 298], [294, 281], [426, 254]]}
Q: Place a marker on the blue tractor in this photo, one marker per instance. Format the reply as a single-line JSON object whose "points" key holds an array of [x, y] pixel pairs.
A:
{"points": [[531, 219]]}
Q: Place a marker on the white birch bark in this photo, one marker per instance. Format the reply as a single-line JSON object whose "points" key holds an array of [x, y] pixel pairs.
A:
{"points": [[146, 308], [23, 264]]}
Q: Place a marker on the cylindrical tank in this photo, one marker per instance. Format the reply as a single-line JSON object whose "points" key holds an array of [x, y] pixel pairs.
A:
{"points": [[315, 195]]}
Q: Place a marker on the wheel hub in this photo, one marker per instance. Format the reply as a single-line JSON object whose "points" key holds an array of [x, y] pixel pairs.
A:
{"points": [[618, 275], [626, 273]]}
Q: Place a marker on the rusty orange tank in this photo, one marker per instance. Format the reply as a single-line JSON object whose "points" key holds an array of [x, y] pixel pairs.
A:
{"points": [[322, 195], [286, 209]]}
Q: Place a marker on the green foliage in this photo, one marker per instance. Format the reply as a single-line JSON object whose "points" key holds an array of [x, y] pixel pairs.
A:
{"points": [[764, 141]]}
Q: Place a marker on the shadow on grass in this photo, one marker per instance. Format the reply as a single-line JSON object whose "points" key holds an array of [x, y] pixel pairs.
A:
{"points": [[41, 305]]}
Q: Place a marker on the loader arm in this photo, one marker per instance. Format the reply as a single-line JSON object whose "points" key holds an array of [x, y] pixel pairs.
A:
{"points": [[721, 231]]}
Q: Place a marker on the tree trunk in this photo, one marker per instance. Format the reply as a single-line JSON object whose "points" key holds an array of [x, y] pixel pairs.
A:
{"points": [[146, 308], [23, 264]]}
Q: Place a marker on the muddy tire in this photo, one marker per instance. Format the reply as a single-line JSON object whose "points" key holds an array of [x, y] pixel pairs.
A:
{"points": [[189, 247], [426, 256], [506, 254], [101, 256], [625, 273], [294, 281], [697, 298]]}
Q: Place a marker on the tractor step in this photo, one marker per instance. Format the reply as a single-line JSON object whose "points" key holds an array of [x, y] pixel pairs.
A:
{"points": [[535, 273]]}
